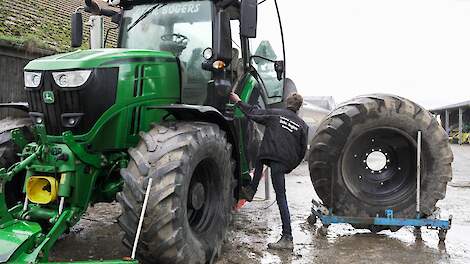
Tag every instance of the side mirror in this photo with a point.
(223, 40)
(248, 18)
(77, 30)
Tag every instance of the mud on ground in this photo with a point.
(97, 235)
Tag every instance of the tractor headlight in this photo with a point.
(71, 78)
(32, 79)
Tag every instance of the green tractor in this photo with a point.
(105, 121)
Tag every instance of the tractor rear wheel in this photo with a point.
(363, 158)
(9, 155)
(191, 198)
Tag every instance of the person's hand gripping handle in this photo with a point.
(234, 97)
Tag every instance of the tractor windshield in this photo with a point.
(184, 28)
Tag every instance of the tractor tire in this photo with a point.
(363, 158)
(192, 194)
(9, 155)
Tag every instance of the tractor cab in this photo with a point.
(216, 45)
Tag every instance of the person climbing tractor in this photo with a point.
(282, 149)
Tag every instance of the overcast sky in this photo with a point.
(419, 49)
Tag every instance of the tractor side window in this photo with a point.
(235, 27)
(267, 47)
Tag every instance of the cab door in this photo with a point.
(267, 53)
(259, 83)
(252, 92)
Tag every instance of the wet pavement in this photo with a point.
(97, 236)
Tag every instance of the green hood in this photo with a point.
(85, 59)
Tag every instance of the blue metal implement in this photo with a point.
(327, 217)
(383, 221)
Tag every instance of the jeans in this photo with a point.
(279, 183)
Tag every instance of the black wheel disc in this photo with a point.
(379, 166)
(203, 197)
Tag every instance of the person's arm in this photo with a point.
(256, 114)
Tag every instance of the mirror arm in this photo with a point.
(278, 65)
(93, 8)
(263, 58)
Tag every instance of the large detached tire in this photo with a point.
(363, 158)
(191, 198)
(9, 155)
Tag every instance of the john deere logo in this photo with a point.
(48, 97)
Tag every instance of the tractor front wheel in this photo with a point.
(190, 201)
(9, 155)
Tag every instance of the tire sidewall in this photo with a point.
(9, 155)
(364, 113)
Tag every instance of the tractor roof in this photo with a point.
(232, 6)
(226, 3)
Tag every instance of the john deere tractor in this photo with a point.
(105, 121)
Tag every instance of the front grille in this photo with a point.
(85, 104)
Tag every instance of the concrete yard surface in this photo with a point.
(97, 235)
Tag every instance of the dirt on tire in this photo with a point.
(9, 151)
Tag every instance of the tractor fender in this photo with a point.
(203, 113)
(209, 114)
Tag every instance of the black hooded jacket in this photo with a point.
(285, 135)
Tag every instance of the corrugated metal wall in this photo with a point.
(12, 61)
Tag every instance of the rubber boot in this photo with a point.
(285, 243)
(247, 193)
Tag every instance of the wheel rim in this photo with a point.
(204, 196)
(379, 166)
